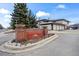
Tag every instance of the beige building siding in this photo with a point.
(48, 26)
(61, 27)
(52, 27)
(61, 22)
(58, 27)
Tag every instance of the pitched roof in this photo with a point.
(46, 20)
(61, 20)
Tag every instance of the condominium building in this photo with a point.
(59, 24)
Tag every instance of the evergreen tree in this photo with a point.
(22, 15)
(31, 20)
(19, 15)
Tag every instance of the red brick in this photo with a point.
(29, 34)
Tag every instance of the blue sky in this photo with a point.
(43, 10)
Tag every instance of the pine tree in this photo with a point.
(31, 20)
(22, 15)
(19, 15)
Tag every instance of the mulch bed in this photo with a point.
(32, 40)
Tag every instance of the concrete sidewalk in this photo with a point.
(66, 32)
(6, 33)
(2, 34)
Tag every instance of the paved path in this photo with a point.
(66, 45)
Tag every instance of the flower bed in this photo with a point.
(14, 45)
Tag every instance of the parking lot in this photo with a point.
(67, 44)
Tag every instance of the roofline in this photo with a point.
(61, 19)
(52, 23)
(52, 20)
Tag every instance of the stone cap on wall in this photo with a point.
(20, 26)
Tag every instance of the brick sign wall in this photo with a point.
(23, 34)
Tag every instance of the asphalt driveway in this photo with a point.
(67, 44)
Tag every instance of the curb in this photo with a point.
(65, 32)
(30, 47)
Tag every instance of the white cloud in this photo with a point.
(7, 20)
(73, 20)
(61, 6)
(42, 13)
(71, 23)
(4, 22)
(7, 16)
(4, 11)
